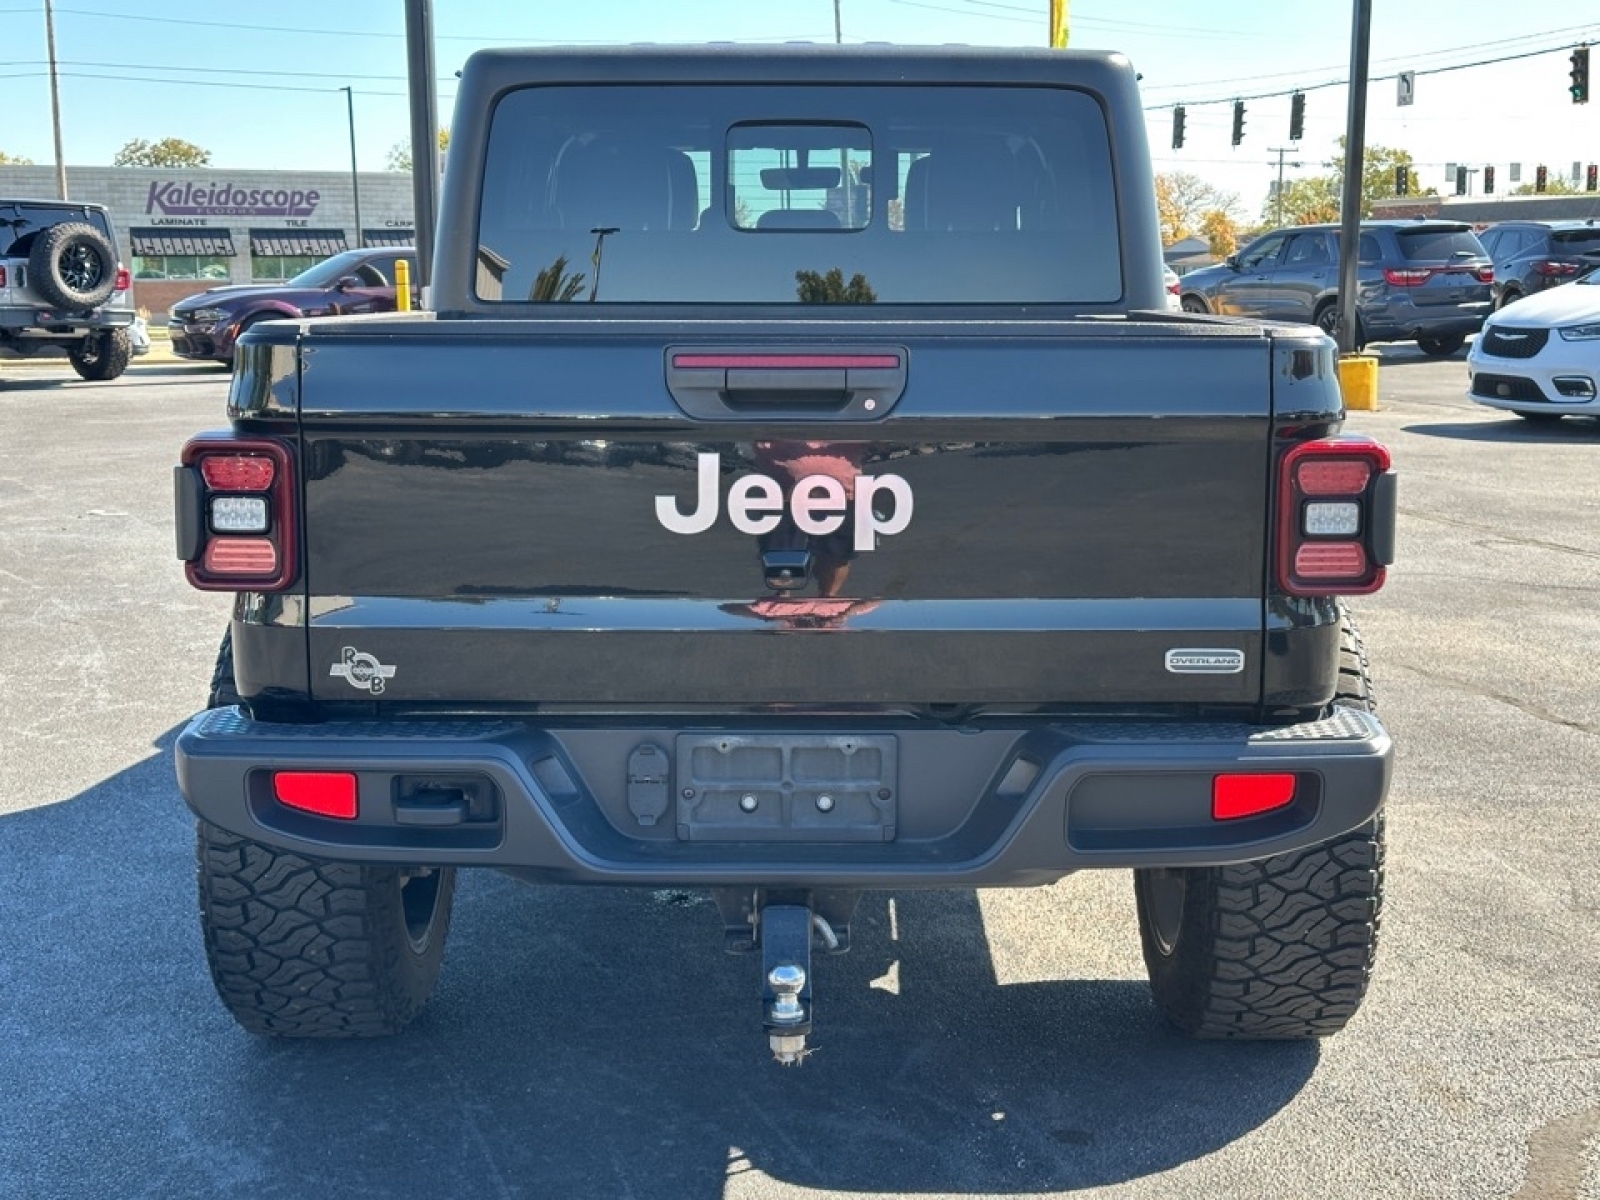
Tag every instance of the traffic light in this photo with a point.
(1297, 116)
(1540, 176)
(1591, 180)
(1580, 75)
(1402, 182)
(1488, 181)
(1177, 128)
(1238, 121)
(1461, 181)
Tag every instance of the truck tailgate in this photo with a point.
(1049, 513)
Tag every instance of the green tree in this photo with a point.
(14, 160)
(400, 152)
(1319, 198)
(1554, 185)
(1183, 202)
(832, 289)
(555, 285)
(168, 152)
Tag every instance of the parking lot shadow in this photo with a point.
(583, 1042)
(1512, 429)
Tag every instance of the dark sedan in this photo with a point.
(205, 327)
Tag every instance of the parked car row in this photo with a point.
(206, 326)
(1423, 281)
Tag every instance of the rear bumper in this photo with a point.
(43, 322)
(967, 807)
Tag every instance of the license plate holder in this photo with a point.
(786, 787)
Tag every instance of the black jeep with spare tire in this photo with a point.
(63, 288)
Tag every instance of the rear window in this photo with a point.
(1439, 244)
(798, 194)
(1576, 241)
(20, 222)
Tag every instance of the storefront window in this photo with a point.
(273, 268)
(210, 268)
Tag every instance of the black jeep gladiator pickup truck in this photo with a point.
(795, 489)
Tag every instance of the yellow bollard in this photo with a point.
(402, 285)
(1358, 382)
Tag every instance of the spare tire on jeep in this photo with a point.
(73, 265)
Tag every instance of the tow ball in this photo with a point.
(785, 931)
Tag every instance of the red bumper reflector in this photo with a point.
(1333, 477)
(325, 793)
(241, 556)
(1330, 560)
(1235, 796)
(237, 472)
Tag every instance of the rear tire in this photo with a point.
(300, 947)
(1443, 346)
(1327, 319)
(102, 356)
(1193, 304)
(1277, 949)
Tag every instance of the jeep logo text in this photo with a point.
(817, 503)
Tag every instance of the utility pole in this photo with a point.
(1354, 155)
(55, 97)
(424, 135)
(355, 180)
(1280, 151)
(838, 29)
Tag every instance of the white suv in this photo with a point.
(62, 287)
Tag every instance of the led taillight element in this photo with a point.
(237, 472)
(1485, 274)
(1336, 515)
(236, 514)
(1249, 795)
(124, 279)
(324, 793)
(1408, 276)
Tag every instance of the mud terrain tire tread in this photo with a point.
(1282, 948)
(44, 266)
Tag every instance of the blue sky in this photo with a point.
(258, 85)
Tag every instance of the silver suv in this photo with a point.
(62, 286)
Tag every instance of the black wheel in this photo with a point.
(102, 356)
(72, 265)
(1276, 949)
(1442, 346)
(1509, 296)
(1327, 320)
(1540, 418)
(301, 947)
(1193, 304)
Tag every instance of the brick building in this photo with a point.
(182, 231)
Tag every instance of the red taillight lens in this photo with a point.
(1330, 560)
(1485, 274)
(1555, 269)
(124, 279)
(325, 793)
(240, 556)
(1235, 796)
(1333, 477)
(1336, 514)
(2, 277)
(237, 527)
(237, 472)
(1408, 276)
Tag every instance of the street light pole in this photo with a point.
(55, 97)
(355, 179)
(1354, 153)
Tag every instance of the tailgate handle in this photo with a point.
(721, 383)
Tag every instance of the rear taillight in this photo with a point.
(236, 514)
(124, 279)
(1336, 516)
(1408, 276)
(1554, 270)
(2, 277)
(1485, 274)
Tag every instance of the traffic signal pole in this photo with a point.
(1354, 162)
(424, 135)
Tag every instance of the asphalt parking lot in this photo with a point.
(599, 1043)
